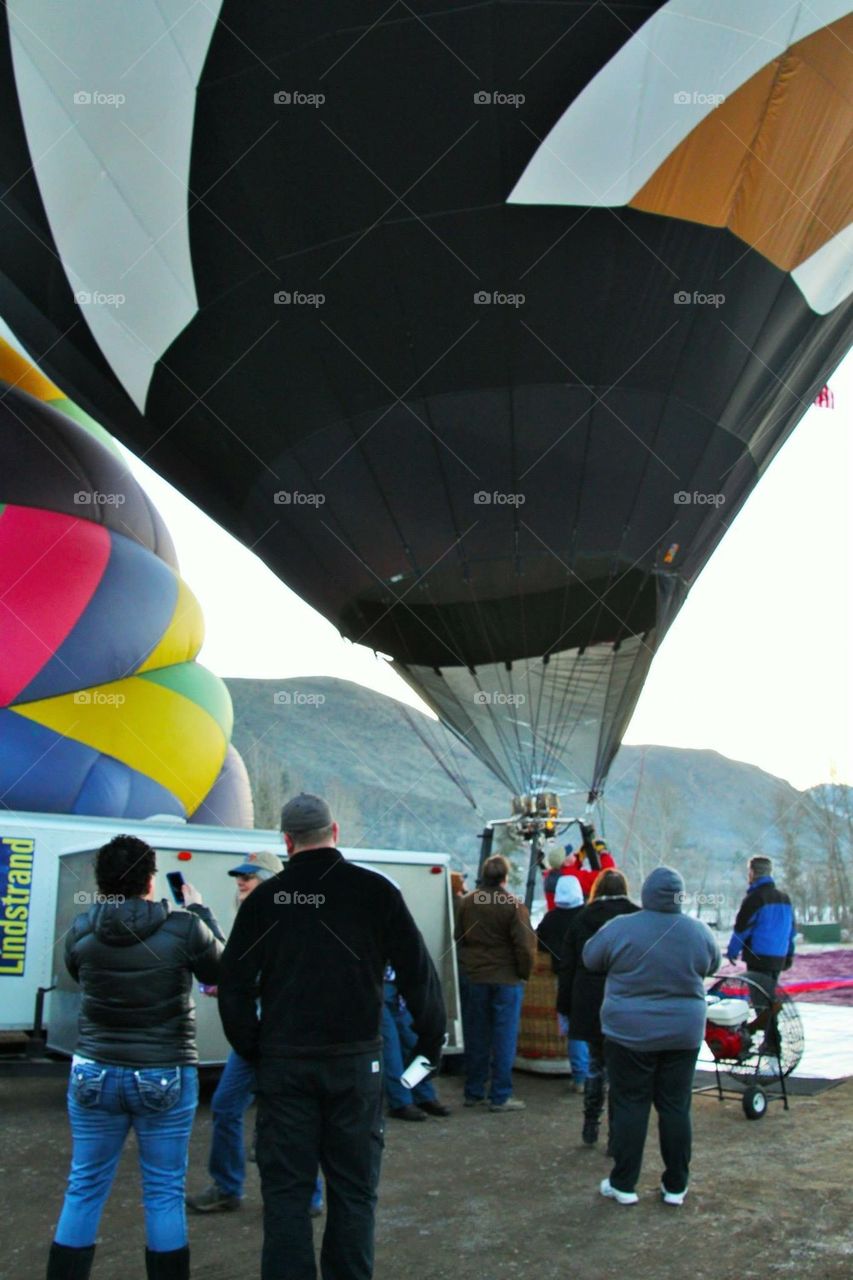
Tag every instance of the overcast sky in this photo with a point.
(756, 665)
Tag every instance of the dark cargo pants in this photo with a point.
(326, 1112)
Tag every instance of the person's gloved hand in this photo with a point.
(431, 1051)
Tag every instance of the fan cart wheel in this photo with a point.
(754, 1103)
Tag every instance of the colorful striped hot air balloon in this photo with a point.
(103, 709)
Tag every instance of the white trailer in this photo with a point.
(47, 878)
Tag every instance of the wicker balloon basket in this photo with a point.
(541, 1048)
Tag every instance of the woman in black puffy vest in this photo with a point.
(135, 1064)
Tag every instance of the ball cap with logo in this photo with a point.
(264, 865)
(305, 813)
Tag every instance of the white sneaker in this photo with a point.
(672, 1197)
(621, 1197)
(511, 1104)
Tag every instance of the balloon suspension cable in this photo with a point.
(453, 773)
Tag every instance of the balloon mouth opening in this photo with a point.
(592, 608)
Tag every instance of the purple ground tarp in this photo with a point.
(824, 977)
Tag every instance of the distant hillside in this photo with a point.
(355, 746)
(721, 804)
(696, 809)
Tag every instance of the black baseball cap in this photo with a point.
(305, 813)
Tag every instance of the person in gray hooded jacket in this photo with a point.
(653, 1020)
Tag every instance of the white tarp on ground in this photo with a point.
(828, 1034)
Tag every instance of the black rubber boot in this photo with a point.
(65, 1263)
(593, 1105)
(174, 1265)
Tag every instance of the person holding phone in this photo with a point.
(135, 1062)
(176, 882)
(236, 1087)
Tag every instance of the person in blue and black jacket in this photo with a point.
(764, 932)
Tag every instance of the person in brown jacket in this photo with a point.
(496, 949)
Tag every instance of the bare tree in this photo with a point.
(270, 784)
(788, 822)
(508, 843)
(660, 827)
(829, 821)
(345, 804)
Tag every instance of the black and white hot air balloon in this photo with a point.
(477, 322)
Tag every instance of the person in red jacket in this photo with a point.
(589, 861)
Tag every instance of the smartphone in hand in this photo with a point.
(176, 884)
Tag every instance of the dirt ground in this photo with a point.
(496, 1197)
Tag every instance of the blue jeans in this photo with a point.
(578, 1052)
(398, 1049)
(493, 1012)
(579, 1059)
(233, 1095)
(104, 1103)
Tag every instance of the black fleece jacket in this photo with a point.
(552, 930)
(313, 942)
(580, 993)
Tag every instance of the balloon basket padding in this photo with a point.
(543, 1066)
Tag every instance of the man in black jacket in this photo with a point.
(313, 943)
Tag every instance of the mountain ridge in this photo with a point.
(692, 806)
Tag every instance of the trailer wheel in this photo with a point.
(754, 1103)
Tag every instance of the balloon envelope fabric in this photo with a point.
(480, 321)
(103, 709)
